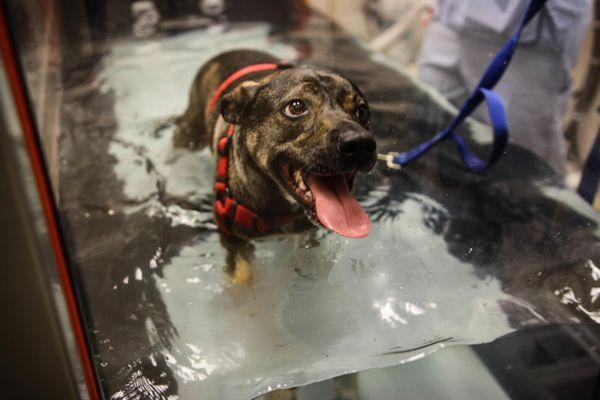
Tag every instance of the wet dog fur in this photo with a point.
(275, 131)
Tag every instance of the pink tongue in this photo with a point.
(337, 209)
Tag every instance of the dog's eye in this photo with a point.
(362, 115)
(295, 108)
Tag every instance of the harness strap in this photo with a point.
(237, 75)
(229, 213)
(483, 92)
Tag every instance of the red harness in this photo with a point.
(231, 214)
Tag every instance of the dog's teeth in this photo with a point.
(302, 185)
(298, 177)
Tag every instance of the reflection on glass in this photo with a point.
(453, 257)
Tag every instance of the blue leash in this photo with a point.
(590, 176)
(495, 106)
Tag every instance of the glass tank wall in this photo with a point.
(454, 257)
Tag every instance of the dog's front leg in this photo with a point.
(240, 254)
(282, 394)
(346, 387)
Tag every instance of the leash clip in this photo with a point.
(389, 160)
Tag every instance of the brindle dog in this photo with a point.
(302, 135)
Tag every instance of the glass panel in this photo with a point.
(453, 257)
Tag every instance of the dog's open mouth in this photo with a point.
(329, 197)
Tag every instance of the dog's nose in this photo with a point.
(357, 147)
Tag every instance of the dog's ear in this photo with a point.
(235, 102)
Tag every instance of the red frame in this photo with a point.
(18, 91)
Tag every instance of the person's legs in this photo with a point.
(535, 92)
(439, 63)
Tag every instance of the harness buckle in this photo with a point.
(389, 160)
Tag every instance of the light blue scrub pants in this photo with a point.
(535, 88)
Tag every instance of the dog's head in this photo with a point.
(309, 131)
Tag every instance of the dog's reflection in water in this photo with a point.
(288, 143)
(345, 387)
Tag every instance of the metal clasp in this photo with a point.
(389, 160)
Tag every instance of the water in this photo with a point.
(453, 257)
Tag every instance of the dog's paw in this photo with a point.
(283, 394)
(242, 271)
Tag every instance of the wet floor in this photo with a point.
(453, 257)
